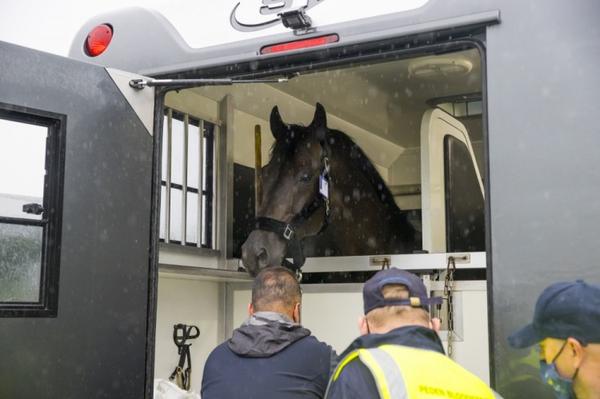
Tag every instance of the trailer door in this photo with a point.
(453, 197)
(76, 249)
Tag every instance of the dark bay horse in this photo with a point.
(320, 186)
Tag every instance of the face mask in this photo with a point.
(563, 387)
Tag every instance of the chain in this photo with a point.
(448, 295)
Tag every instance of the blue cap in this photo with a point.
(563, 310)
(373, 295)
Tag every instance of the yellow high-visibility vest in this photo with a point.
(402, 372)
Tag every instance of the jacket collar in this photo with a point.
(411, 336)
(265, 334)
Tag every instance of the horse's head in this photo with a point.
(291, 195)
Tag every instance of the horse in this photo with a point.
(319, 184)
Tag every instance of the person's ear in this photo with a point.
(575, 351)
(250, 309)
(363, 325)
(435, 324)
(297, 316)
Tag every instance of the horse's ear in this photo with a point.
(320, 118)
(319, 123)
(278, 127)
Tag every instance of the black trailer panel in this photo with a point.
(543, 183)
(96, 345)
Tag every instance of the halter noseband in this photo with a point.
(288, 230)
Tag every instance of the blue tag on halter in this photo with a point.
(324, 186)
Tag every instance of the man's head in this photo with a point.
(395, 298)
(566, 324)
(275, 289)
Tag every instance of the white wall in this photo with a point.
(479, 156)
(188, 302)
(406, 169)
(332, 316)
(472, 350)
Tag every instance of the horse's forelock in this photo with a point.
(285, 145)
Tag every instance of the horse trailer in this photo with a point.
(137, 170)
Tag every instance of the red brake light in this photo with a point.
(299, 44)
(98, 39)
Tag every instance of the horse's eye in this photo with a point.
(305, 178)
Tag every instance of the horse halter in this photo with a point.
(288, 230)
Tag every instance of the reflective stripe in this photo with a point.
(387, 375)
(351, 356)
(343, 363)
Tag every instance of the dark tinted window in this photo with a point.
(465, 225)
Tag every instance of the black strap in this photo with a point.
(181, 334)
(288, 232)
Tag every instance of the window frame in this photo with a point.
(207, 192)
(51, 222)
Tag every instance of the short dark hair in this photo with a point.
(275, 286)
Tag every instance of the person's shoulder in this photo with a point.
(311, 342)
(353, 381)
(220, 352)
(315, 341)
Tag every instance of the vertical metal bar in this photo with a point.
(168, 180)
(184, 160)
(201, 168)
(257, 168)
(218, 171)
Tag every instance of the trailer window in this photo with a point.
(30, 193)
(187, 180)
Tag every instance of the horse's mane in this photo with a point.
(358, 157)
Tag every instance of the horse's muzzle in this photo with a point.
(262, 249)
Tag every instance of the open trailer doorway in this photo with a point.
(416, 118)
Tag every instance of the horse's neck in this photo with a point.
(360, 219)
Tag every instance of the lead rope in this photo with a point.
(448, 295)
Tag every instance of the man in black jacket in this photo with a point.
(271, 355)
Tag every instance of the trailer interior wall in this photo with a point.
(192, 302)
(331, 312)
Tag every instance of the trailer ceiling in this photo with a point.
(386, 99)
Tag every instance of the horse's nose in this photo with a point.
(263, 257)
(254, 258)
(260, 250)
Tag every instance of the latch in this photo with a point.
(383, 261)
(296, 20)
(33, 209)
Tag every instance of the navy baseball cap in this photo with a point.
(373, 295)
(563, 310)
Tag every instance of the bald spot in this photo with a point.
(275, 289)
